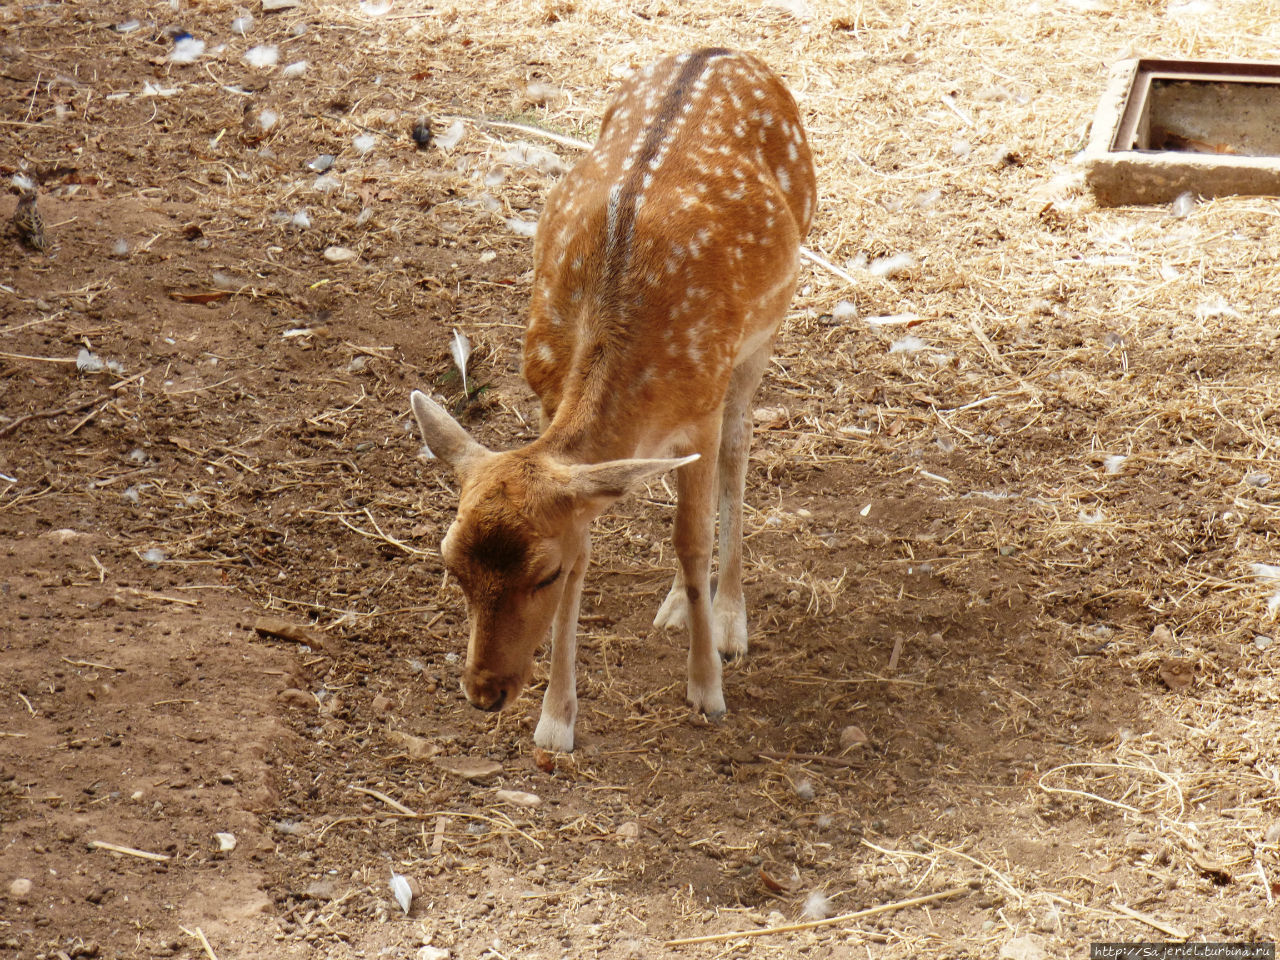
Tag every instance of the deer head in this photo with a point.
(521, 525)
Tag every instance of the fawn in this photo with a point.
(664, 263)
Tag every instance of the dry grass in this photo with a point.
(916, 515)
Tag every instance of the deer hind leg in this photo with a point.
(674, 612)
(560, 702)
(729, 609)
(694, 532)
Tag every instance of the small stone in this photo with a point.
(432, 953)
(20, 888)
(1029, 947)
(226, 841)
(382, 704)
(629, 830)
(853, 736)
(770, 418)
(1050, 920)
(518, 797)
(339, 254)
(323, 890)
(293, 697)
(1162, 635)
(417, 748)
(1177, 673)
(470, 768)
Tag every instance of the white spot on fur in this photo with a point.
(784, 179)
(546, 354)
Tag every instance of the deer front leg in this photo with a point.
(729, 609)
(560, 703)
(694, 529)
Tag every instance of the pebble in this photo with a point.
(293, 697)
(324, 890)
(852, 736)
(1023, 948)
(339, 254)
(518, 797)
(1050, 920)
(470, 768)
(382, 704)
(418, 748)
(20, 888)
(432, 953)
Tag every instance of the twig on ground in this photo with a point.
(1167, 929)
(41, 414)
(804, 758)
(811, 924)
(198, 934)
(128, 851)
(389, 801)
(91, 663)
(827, 265)
(412, 551)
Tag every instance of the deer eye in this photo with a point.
(543, 584)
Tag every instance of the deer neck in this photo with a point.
(603, 411)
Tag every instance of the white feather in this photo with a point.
(461, 350)
(817, 906)
(264, 55)
(186, 50)
(1114, 462)
(451, 137)
(1266, 572)
(401, 890)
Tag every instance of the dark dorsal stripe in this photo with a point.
(623, 200)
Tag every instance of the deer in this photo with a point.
(664, 263)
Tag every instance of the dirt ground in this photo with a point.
(1010, 562)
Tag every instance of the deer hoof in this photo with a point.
(553, 734)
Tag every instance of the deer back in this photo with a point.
(668, 252)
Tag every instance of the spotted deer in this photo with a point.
(664, 263)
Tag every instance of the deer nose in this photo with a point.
(484, 697)
(497, 704)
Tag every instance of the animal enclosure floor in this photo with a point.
(1011, 527)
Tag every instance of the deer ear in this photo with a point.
(443, 434)
(596, 485)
